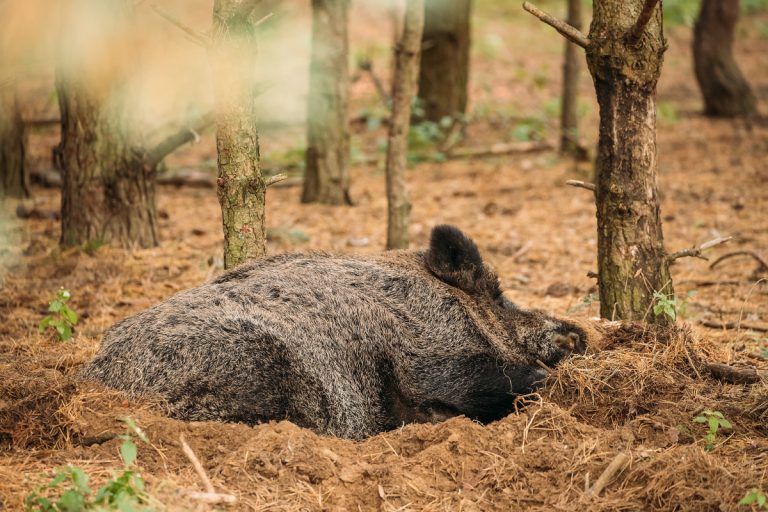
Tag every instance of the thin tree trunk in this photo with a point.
(569, 121)
(241, 187)
(632, 263)
(327, 156)
(407, 54)
(444, 72)
(108, 193)
(725, 90)
(13, 175)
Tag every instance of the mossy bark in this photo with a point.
(725, 90)
(407, 53)
(444, 71)
(569, 120)
(241, 187)
(13, 175)
(632, 263)
(327, 155)
(108, 193)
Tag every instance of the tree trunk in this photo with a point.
(13, 176)
(108, 194)
(241, 187)
(632, 263)
(444, 73)
(327, 156)
(726, 92)
(569, 121)
(407, 54)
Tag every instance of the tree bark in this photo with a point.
(241, 187)
(327, 156)
(13, 175)
(407, 54)
(725, 90)
(569, 121)
(108, 194)
(632, 263)
(444, 73)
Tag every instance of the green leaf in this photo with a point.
(55, 306)
(60, 477)
(725, 424)
(760, 499)
(64, 330)
(135, 429)
(128, 452)
(71, 501)
(80, 479)
(699, 419)
(713, 423)
(44, 323)
(749, 498)
(70, 315)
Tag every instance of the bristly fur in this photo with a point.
(345, 345)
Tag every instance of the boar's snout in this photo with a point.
(573, 342)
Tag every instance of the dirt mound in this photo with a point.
(633, 397)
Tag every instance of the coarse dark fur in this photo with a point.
(345, 345)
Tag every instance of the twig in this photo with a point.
(616, 465)
(760, 259)
(570, 33)
(277, 178)
(643, 19)
(172, 142)
(367, 66)
(196, 464)
(581, 184)
(733, 375)
(500, 149)
(543, 365)
(733, 325)
(212, 498)
(264, 19)
(196, 36)
(695, 252)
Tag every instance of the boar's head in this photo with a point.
(532, 335)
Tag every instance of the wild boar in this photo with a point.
(345, 345)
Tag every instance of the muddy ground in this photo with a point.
(635, 393)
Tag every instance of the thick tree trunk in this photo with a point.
(108, 194)
(241, 187)
(407, 53)
(326, 174)
(13, 176)
(632, 263)
(726, 92)
(444, 72)
(569, 121)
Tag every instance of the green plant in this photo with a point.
(123, 492)
(755, 498)
(63, 318)
(714, 421)
(666, 305)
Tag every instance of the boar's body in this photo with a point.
(345, 345)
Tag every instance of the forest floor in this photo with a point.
(636, 392)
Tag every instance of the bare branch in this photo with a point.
(695, 252)
(172, 142)
(263, 19)
(367, 66)
(211, 498)
(196, 464)
(616, 465)
(643, 19)
(195, 35)
(567, 31)
(760, 259)
(581, 184)
(733, 325)
(277, 178)
(500, 149)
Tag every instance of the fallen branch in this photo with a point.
(643, 19)
(211, 498)
(196, 464)
(733, 325)
(581, 184)
(570, 33)
(172, 142)
(733, 375)
(367, 66)
(695, 252)
(194, 35)
(616, 465)
(760, 259)
(500, 149)
(544, 366)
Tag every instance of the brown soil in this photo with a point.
(635, 392)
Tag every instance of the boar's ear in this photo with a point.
(454, 258)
